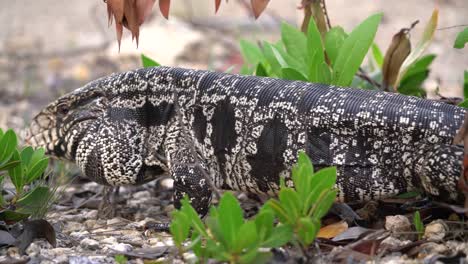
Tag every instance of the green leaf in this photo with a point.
(8, 144)
(464, 104)
(302, 173)
(421, 46)
(193, 216)
(462, 39)
(36, 170)
(251, 53)
(26, 155)
(16, 173)
(465, 85)
(9, 165)
(34, 200)
(413, 84)
(353, 51)
(264, 222)
(10, 216)
(377, 55)
(230, 217)
(281, 235)
(420, 65)
(315, 53)
(1, 133)
(324, 203)
(282, 214)
(334, 40)
(248, 237)
(295, 42)
(308, 230)
(322, 181)
(292, 74)
(418, 224)
(254, 256)
(179, 227)
(260, 71)
(148, 62)
(291, 202)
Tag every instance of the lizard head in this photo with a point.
(103, 131)
(59, 127)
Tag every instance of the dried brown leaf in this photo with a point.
(164, 7)
(332, 230)
(116, 8)
(396, 54)
(217, 4)
(144, 8)
(258, 6)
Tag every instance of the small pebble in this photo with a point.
(109, 240)
(121, 247)
(435, 230)
(398, 225)
(79, 234)
(91, 214)
(142, 194)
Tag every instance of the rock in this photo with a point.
(89, 243)
(36, 248)
(79, 235)
(115, 221)
(89, 224)
(72, 226)
(75, 218)
(167, 183)
(398, 225)
(393, 243)
(435, 230)
(91, 214)
(432, 248)
(121, 247)
(142, 194)
(109, 240)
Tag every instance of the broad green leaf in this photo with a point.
(315, 52)
(291, 202)
(1, 133)
(9, 165)
(281, 235)
(295, 42)
(302, 172)
(38, 155)
(323, 180)
(245, 70)
(16, 173)
(26, 155)
(292, 74)
(324, 74)
(37, 170)
(148, 62)
(308, 230)
(260, 71)
(193, 216)
(271, 58)
(230, 217)
(462, 39)
(10, 216)
(179, 227)
(353, 50)
(282, 214)
(251, 53)
(254, 256)
(34, 200)
(324, 203)
(247, 237)
(334, 40)
(420, 65)
(264, 223)
(7, 145)
(421, 46)
(377, 55)
(464, 104)
(196, 244)
(412, 85)
(287, 61)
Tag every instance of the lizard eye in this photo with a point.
(62, 109)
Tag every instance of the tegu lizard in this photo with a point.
(244, 133)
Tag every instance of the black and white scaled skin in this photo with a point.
(245, 133)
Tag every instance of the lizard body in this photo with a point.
(244, 132)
